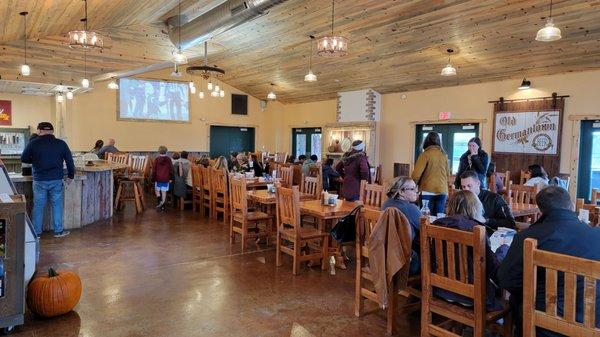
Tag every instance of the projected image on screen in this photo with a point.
(153, 100)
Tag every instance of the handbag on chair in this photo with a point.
(345, 230)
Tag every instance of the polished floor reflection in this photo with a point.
(175, 274)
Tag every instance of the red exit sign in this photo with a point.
(444, 115)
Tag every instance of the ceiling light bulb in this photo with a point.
(214, 94)
(191, 84)
(549, 32)
(193, 90)
(60, 98)
(271, 96)
(210, 86)
(85, 83)
(25, 70)
(448, 70)
(222, 93)
(69, 95)
(112, 85)
(310, 77)
(179, 57)
(201, 94)
(217, 89)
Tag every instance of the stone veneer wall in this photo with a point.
(338, 113)
(370, 107)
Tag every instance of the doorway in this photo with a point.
(589, 159)
(454, 137)
(306, 141)
(227, 139)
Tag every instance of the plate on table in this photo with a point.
(346, 144)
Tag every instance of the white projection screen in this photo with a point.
(153, 100)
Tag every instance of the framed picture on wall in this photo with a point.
(527, 132)
(5, 112)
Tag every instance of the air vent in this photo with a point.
(242, 7)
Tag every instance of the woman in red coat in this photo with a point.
(353, 168)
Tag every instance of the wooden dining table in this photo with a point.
(267, 198)
(523, 210)
(255, 183)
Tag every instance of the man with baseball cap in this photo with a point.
(47, 154)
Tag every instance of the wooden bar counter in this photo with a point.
(89, 197)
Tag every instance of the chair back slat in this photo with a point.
(218, 181)
(311, 185)
(118, 158)
(288, 210)
(205, 175)
(196, 177)
(138, 164)
(578, 273)
(287, 176)
(239, 195)
(281, 157)
(371, 194)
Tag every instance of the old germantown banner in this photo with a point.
(5, 113)
(534, 132)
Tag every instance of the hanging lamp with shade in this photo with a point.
(310, 77)
(271, 96)
(85, 82)
(332, 46)
(85, 39)
(112, 85)
(448, 70)
(69, 94)
(178, 55)
(25, 69)
(549, 32)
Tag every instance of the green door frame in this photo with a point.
(447, 131)
(308, 131)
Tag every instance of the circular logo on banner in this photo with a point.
(542, 142)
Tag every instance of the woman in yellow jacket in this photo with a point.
(431, 173)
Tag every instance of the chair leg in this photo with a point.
(136, 196)
(392, 308)
(118, 197)
(231, 233)
(296, 262)
(278, 249)
(325, 252)
(507, 330)
(143, 197)
(244, 235)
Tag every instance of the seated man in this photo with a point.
(109, 148)
(558, 230)
(495, 210)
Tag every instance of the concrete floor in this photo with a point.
(175, 274)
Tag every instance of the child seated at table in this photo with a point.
(464, 212)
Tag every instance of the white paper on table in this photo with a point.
(584, 215)
(502, 236)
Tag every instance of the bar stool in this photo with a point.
(131, 182)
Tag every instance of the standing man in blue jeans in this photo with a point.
(47, 155)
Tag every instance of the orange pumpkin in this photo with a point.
(54, 294)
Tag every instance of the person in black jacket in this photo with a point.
(254, 166)
(558, 230)
(475, 159)
(496, 211)
(329, 174)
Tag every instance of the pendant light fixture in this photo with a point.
(85, 39)
(310, 77)
(112, 85)
(70, 94)
(178, 55)
(25, 70)
(449, 70)
(332, 46)
(549, 33)
(85, 82)
(271, 95)
(525, 84)
(176, 72)
(60, 98)
(208, 73)
(201, 94)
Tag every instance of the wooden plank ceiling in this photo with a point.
(393, 45)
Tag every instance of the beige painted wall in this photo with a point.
(29, 110)
(92, 116)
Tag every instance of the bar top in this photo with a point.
(101, 165)
(19, 178)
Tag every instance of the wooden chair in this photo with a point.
(573, 271)
(452, 247)
(565, 176)
(287, 176)
(505, 178)
(371, 194)
(196, 186)
(311, 185)
(206, 191)
(522, 194)
(219, 194)
(366, 220)
(281, 157)
(135, 174)
(118, 158)
(595, 195)
(491, 182)
(315, 170)
(592, 208)
(241, 218)
(289, 229)
(525, 175)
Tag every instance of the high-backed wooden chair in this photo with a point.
(595, 195)
(592, 208)
(505, 176)
(196, 186)
(371, 194)
(315, 170)
(521, 194)
(206, 191)
(287, 176)
(573, 271)
(312, 186)
(117, 157)
(289, 230)
(448, 256)
(365, 221)
(281, 157)
(219, 194)
(525, 175)
(131, 181)
(243, 221)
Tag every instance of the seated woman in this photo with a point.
(221, 164)
(539, 177)
(464, 212)
(497, 179)
(254, 166)
(241, 163)
(402, 194)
